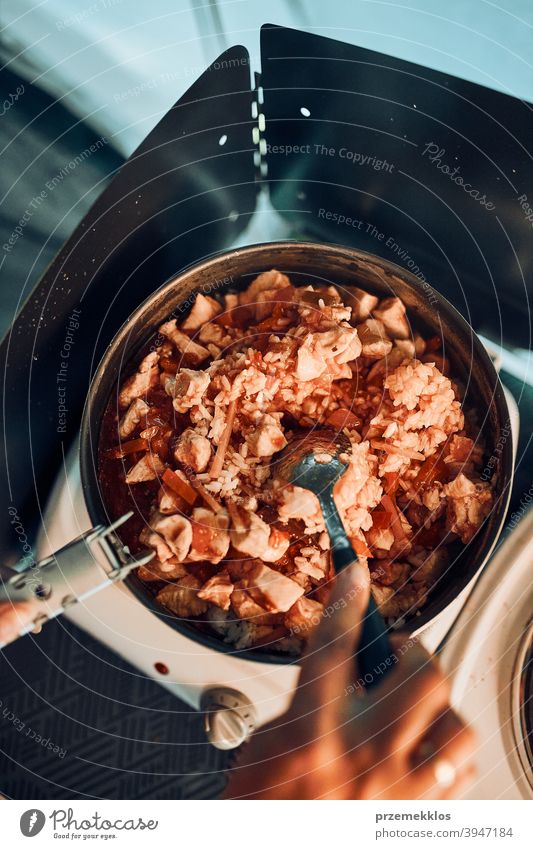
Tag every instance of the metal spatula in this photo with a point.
(315, 460)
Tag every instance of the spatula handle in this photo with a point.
(375, 653)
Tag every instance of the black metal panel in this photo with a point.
(385, 143)
(181, 196)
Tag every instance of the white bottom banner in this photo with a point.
(183, 823)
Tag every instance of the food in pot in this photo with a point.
(192, 446)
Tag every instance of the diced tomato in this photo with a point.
(381, 519)
(342, 418)
(390, 482)
(360, 547)
(181, 488)
(433, 469)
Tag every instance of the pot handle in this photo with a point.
(88, 564)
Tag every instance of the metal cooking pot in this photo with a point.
(70, 575)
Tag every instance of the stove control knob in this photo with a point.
(229, 717)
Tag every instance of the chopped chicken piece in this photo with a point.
(252, 536)
(169, 501)
(187, 388)
(196, 353)
(386, 365)
(266, 301)
(381, 538)
(391, 312)
(231, 300)
(407, 347)
(203, 310)
(432, 497)
(215, 334)
(246, 608)
(420, 345)
(384, 598)
(150, 538)
(182, 598)
(460, 450)
(177, 533)
(429, 565)
(468, 505)
(359, 487)
(340, 345)
(139, 383)
(249, 382)
(390, 572)
(148, 468)
(312, 562)
(210, 537)
(268, 281)
(193, 450)
(218, 590)
(266, 438)
(137, 409)
(361, 302)
(272, 590)
(156, 570)
(303, 616)
(298, 503)
(373, 339)
(278, 543)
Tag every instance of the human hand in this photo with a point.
(401, 740)
(13, 618)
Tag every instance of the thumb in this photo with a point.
(330, 653)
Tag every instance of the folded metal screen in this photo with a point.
(427, 170)
(187, 191)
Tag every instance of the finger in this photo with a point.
(14, 617)
(329, 661)
(448, 739)
(414, 693)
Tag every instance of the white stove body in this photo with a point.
(484, 654)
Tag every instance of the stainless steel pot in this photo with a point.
(304, 263)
